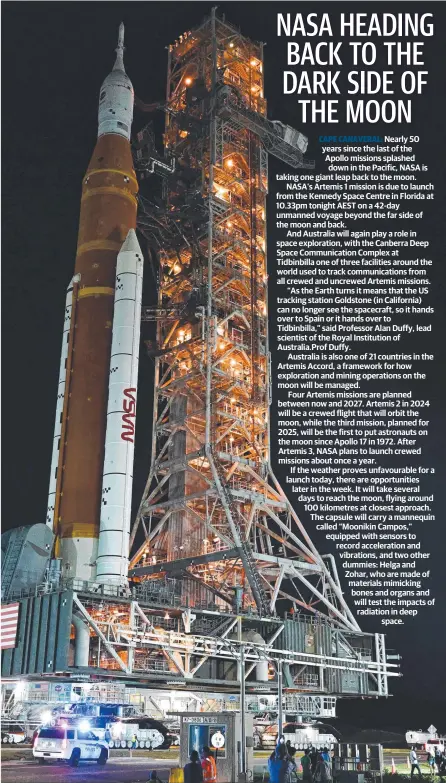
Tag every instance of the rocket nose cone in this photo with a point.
(131, 243)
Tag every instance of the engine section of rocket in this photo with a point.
(108, 213)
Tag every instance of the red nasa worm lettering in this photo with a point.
(129, 406)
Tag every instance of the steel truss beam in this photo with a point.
(130, 627)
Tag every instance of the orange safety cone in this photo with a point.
(393, 768)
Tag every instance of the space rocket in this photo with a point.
(89, 500)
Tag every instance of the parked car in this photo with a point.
(69, 744)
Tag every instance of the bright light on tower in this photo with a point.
(46, 716)
(19, 689)
(84, 725)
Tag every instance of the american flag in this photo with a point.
(9, 621)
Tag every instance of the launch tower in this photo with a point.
(225, 588)
(213, 510)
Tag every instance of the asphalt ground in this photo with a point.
(115, 771)
(19, 767)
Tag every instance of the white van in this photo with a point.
(69, 744)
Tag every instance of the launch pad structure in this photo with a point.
(225, 585)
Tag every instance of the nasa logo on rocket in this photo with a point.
(128, 423)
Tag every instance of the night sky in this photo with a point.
(55, 57)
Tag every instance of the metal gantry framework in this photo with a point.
(133, 638)
(227, 589)
(148, 636)
(213, 509)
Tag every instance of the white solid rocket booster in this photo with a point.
(114, 535)
(60, 402)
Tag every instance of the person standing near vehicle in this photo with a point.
(431, 762)
(278, 765)
(208, 765)
(292, 766)
(414, 763)
(314, 757)
(193, 772)
(305, 763)
(323, 770)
